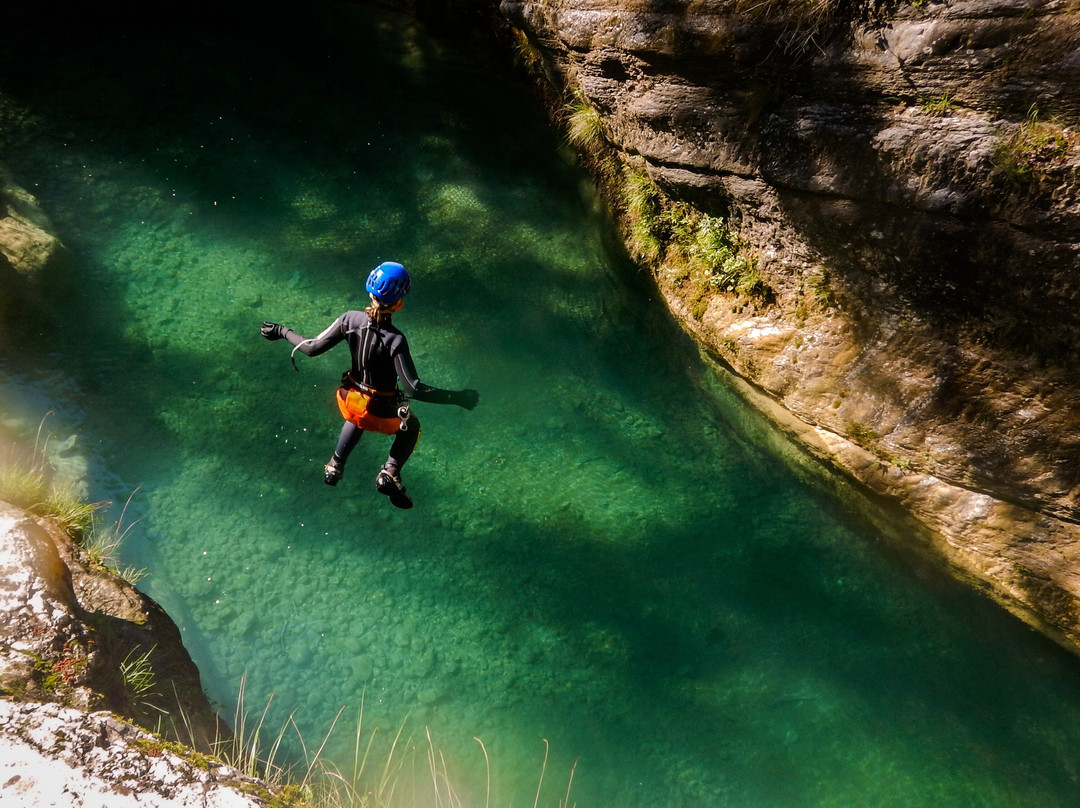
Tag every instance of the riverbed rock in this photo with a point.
(907, 180)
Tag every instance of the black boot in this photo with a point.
(389, 483)
(333, 470)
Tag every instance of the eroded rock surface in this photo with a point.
(59, 756)
(70, 628)
(908, 180)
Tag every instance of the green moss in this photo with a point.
(156, 747)
(289, 797)
(698, 251)
(862, 435)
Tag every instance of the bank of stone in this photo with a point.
(907, 181)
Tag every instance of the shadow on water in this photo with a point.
(600, 555)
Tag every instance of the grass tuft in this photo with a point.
(395, 773)
(1036, 147)
(26, 481)
(585, 127)
(802, 23)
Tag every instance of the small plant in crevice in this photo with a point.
(585, 132)
(801, 23)
(585, 127)
(26, 481)
(138, 680)
(137, 673)
(816, 292)
(640, 200)
(938, 106)
(1033, 149)
(58, 678)
(101, 544)
(698, 252)
(526, 55)
(863, 435)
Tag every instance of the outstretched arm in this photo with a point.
(424, 392)
(310, 347)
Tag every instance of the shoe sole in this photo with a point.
(398, 498)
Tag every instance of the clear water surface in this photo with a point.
(607, 553)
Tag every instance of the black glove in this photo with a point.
(466, 398)
(273, 331)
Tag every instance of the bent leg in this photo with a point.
(347, 440)
(404, 443)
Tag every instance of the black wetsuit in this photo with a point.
(380, 357)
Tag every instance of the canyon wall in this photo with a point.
(904, 179)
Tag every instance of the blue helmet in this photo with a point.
(388, 283)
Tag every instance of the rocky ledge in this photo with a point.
(55, 755)
(84, 660)
(905, 180)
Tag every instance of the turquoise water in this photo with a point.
(610, 553)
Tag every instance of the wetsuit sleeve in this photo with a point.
(416, 389)
(330, 337)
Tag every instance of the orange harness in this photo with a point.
(353, 404)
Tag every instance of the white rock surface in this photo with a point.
(58, 757)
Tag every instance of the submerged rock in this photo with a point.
(28, 241)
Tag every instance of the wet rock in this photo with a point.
(27, 239)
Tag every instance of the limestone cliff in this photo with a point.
(55, 755)
(904, 179)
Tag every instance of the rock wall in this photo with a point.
(907, 180)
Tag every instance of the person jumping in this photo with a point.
(369, 397)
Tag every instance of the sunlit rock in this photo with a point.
(908, 186)
(27, 240)
(72, 632)
(54, 755)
